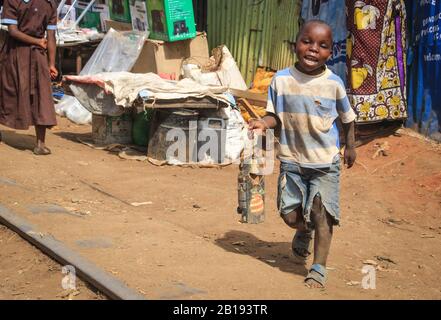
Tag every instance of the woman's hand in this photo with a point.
(42, 43)
(53, 72)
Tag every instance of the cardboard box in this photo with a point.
(119, 26)
(171, 20)
(120, 10)
(167, 57)
(138, 11)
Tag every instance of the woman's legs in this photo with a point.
(41, 149)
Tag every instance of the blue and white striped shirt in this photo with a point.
(307, 107)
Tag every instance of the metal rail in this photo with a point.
(87, 271)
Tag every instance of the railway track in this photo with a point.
(74, 264)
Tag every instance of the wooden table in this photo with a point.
(78, 48)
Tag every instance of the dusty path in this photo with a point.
(188, 244)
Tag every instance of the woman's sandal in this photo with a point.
(301, 245)
(39, 151)
(317, 273)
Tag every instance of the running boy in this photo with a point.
(27, 64)
(304, 101)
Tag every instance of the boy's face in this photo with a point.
(313, 48)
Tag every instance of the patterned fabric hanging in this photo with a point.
(376, 59)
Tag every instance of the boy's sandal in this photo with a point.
(42, 151)
(317, 273)
(301, 245)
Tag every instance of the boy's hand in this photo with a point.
(257, 125)
(42, 43)
(53, 72)
(349, 157)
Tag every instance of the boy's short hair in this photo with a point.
(313, 21)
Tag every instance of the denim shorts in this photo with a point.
(299, 186)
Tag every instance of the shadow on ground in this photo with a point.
(74, 137)
(275, 254)
(17, 140)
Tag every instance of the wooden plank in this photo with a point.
(87, 271)
(256, 99)
(249, 108)
(190, 103)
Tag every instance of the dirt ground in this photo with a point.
(188, 243)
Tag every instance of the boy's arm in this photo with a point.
(270, 121)
(23, 37)
(350, 153)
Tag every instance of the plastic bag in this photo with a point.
(227, 75)
(234, 143)
(71, 108)
(118, 51)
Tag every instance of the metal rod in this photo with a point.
(60, 6)
(68, 11)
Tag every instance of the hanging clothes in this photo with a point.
(425, 68)
(376, 59)
(332, 12)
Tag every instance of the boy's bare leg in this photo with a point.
(295, 220)
(323, 226)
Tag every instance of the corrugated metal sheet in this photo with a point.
(200, 14)
(257, 32)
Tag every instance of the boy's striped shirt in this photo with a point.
(307, 107)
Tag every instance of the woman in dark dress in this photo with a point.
(27, 64)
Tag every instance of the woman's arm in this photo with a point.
(51, 50)
(17, 34)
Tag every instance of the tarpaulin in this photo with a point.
(424, 106)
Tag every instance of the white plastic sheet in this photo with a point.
(71, 108)
(118, 51)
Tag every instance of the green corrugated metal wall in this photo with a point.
(257, 32)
